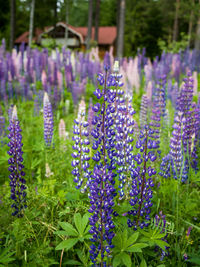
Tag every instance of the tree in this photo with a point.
(197, 39)
(175, 30)
(120, 31)
(117, 17)
(66, 20)
(108, 13)
(46, 13)
(190, 23)
(97, 20)
(89, 32)
(4, 20)
(12, 22)
(144, 27)
(31, 22)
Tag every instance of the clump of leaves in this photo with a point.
(125, 245)
(72, 235)
(6, 256)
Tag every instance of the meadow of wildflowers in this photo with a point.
(99, 159)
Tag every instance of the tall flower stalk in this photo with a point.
(100, 181)
(17, 181)
(113, 157)
(48, 120)
(141, 192)
(81, 149)
(124, 124)
(186, 119)
(102, 189)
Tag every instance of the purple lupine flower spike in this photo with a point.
(195, 138)
(141, 192)
(48, 120)
(124, 125)
(181, 141)
(80, 155)
(102, 182)
(17, 181)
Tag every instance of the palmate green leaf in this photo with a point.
(67, 244)
(87, 229)
(84, 237)
(162, 244)
(60, 233)
(157, 235)
(81, 223)
(117, 260)
(143, 263)
(117, 242)
(152, 235)
(147, 234)
(132, 239)
(5, 256)
(78, 222)
(85, 220)
(137, 247)
(6, 259)
(124, 238)
(69, 229)
(82, 256)
(126, 259)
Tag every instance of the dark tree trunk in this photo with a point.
(31, 22)
(190, 23)
(197, 39)
(175, 30)
(55, 17)
(120, 37)
(97, 20)
(66, 21)
(118, 12)
(89, 32)
(12, 22)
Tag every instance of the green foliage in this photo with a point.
(146, 22)
(125, 245)
(143, 263)
(83, 259)
(174, 47)
(56, 219)
(6, 257)
(143, 27)
(153, 238)
(78, 234)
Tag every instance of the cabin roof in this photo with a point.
(106, 35)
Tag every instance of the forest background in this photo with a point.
(154, 24)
